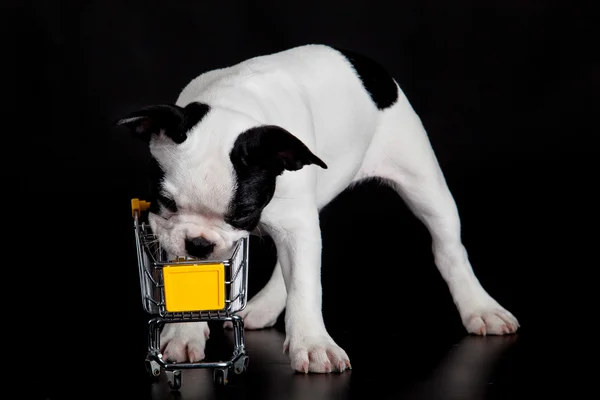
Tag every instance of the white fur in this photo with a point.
(312, 92)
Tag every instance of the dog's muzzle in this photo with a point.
(199, 247)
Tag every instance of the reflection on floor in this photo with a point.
(465, 372)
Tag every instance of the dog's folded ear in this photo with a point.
(172, 120)
(272, 148)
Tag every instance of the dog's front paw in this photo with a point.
(491, 321)
(184, 342)
(316, 354)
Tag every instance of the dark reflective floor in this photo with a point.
(467, 369)
(383, 301)
(397, 366)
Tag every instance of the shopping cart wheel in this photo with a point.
(174, 379)
(241, 365)
(153, 368)
(220, 376)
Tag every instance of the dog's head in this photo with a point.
(213, 172)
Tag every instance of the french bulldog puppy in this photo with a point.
(262, 146)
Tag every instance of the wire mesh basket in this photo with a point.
(220, 285)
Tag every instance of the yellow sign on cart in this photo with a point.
(194, 287)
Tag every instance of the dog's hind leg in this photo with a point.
(401, 154)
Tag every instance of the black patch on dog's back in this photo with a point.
(375, 79)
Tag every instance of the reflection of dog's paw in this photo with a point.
(491, 321)
(184, 342)
(316, 354)
(259, 314)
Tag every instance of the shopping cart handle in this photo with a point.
(139, 206)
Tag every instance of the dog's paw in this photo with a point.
(318, 354)
(260, 313)
(184, 342)
(491, 321)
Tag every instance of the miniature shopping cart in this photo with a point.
(190, 290)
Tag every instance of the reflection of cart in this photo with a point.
(189, 290)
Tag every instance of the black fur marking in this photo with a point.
(173, 120)
(157, 198)
(258, 156)
(376, 80)
(255, 189)
(155, 178)
(168, 203)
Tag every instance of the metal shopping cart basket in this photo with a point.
(188, 290)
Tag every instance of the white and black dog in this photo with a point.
(263, 146)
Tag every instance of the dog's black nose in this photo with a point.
(199, 247)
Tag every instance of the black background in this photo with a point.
(506, 89)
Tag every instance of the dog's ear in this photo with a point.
(273, 148)
(172, 120)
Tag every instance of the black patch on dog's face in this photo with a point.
(156, 175)
(376, 80)
(173, 120)
(255, 189)
(258, 156)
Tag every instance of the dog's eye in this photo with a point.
(169, 204)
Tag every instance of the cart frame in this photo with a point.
(152, 260)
